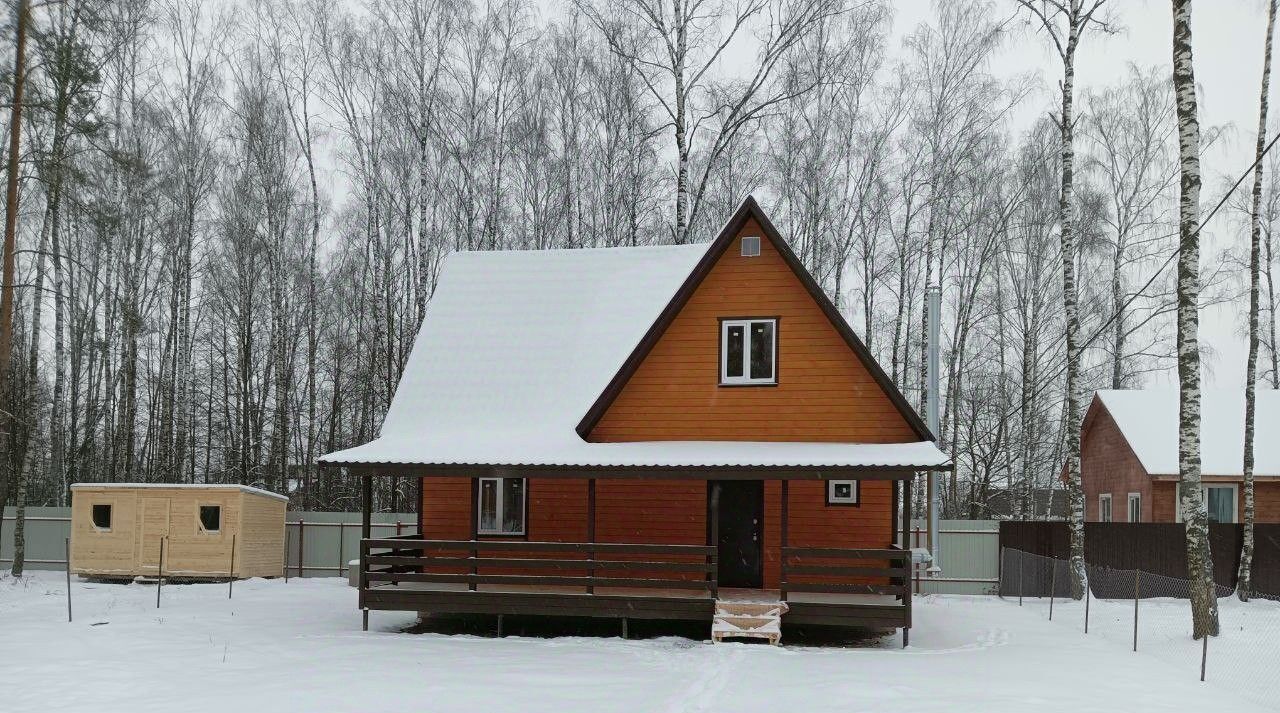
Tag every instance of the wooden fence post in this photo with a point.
(1019, 576)
(231, 568)
(1086, 604)
(160, 572)
(302, 539)
(68, 551)
(1053, 585)
(1204, 655)
(1136, 584)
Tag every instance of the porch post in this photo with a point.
(782, 551)
(591, 532)
(906, 583)
(366, 506)
(366, 517)
(713, 533)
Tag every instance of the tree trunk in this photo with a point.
(1075, 494)
(1251, 368)
(1204, 604)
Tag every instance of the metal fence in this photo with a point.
(320, 544)
(1150, 614)
(969, 551)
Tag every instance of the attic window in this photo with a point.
(751, 246)
(102, 517)
(748, 352)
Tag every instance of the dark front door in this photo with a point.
(741, 523)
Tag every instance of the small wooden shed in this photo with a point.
(117, 530)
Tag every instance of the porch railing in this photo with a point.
(833, 570)
(574, 565)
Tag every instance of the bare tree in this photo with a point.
(1244, 580)
(1065, 22)
(1204, 603)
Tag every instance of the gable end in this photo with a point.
(748, 210)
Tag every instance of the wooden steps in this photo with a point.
(748, 620)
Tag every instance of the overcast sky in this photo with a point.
(1227, 38)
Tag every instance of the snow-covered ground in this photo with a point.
(298, 647)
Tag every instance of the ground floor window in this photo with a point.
(102, 516)
(1104, 507)
(502, 506)
(210, 518)
(1135, 507)
(1221, 502)
(842, 492)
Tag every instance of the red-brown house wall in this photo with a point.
(1108, 465)
(824, 393)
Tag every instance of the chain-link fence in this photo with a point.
(1151, 614)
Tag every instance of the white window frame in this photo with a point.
(501, 506)
(1110, 513)
(746, 323)
(744, 251)
(1129, 503)
(831, 493)
(1204, 495)
(200, 528)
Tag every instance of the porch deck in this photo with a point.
(822, 586)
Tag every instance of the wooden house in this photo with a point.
(117, 530)
(1129, 455)
(669, 432)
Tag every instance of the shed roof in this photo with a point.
(1148, 418)
(517, 346)
(183, 486)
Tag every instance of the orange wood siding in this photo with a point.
(824, 393)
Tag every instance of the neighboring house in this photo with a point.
(1129, 455)
(675, 432)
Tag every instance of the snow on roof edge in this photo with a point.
(186, 486)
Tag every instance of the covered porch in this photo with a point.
(855, 587)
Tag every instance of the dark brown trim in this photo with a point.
(749, 209)
(777, 338)
(747, 472)
(857, 499)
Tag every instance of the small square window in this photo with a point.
(102, 516)
(842, 492)
(751, 246)
(748, 351)
(210, 518)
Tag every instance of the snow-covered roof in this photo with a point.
(181, 486)
(1148, 418)
(515, 348)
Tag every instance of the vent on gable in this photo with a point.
(751, 246)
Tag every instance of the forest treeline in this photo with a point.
(233, 214)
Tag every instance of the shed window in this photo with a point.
(102, 516)
(751, 246)
(501, 506)
(842, 492)
(1104, 507)
(748, 351)
(210, 518)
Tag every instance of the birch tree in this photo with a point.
(1244, 580)
(1065, 22)
(1204, 603)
